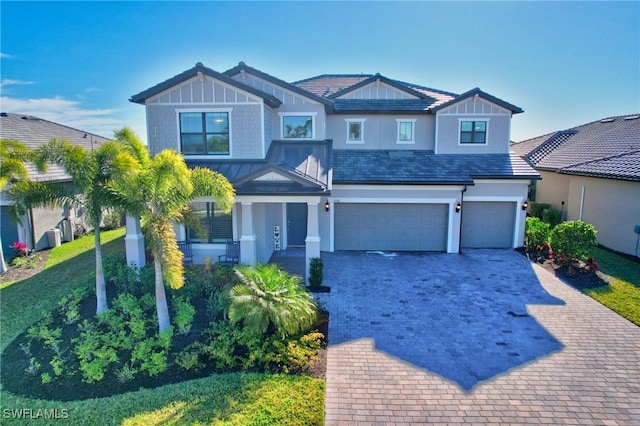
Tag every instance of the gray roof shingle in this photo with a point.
(425, 167)
(34, 132)
(604, 148)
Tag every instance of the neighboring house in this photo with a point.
(343, 162)
(33, 132)
(592, 172)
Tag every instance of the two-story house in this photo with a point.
(343, 162)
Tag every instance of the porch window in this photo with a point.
(204, 133)
(298, 126)
(473, 132)
(217, 224)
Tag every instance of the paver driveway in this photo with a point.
(481, 337)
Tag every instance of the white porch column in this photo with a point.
(248, 254)
(312, 242)
(134, 243)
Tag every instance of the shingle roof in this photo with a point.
(604, 148)
(326, 85)
(34, 132)
(307, 164)
(425, 167)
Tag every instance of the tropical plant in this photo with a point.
(269, 296)
(316, 273)
(13, 156)
(92, 173)
(159, 193)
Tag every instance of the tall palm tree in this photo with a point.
(159, 193)
(13, 156)
(269, 296)
(92, 173)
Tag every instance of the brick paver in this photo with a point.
(397, 357)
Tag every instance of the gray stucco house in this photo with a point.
(592, 172)
(33, 132)
(343, 162)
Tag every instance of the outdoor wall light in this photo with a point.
(326, 206)
(458, 207)
(525, 204)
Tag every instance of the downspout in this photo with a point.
(33, 231)
(461, 208)
(581, 202)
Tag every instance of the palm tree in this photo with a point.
(13, 156)
(92, 173)
(270, 296)
(159, 194)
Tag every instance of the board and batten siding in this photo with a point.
(448, 127)
(377, 90)
(381, 131)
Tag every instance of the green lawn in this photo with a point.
(622, 295)
(233, 399)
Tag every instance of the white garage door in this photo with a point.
(488, 224)
(398, 227)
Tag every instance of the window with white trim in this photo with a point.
(216, 223)
(204, 133)
(473, 132)
(355, 130)
(406, 130)
(298, 125)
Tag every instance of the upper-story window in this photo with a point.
(298, 125)
(204, 133)
(473, 132)
(355, 130)
(406, 130)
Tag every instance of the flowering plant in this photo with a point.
(20, 248)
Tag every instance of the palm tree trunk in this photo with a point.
(101, 288)
(161, 297)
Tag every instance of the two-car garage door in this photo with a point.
(422, 227)
(401, 227)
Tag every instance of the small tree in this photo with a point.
(316, 273)
(572, 241)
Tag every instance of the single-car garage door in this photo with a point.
(488, 224)
(399, 227)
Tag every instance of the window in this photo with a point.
(355, 130)
(473, 132)
(205, 133)
(297, 126)
(406, 131)
(216, 223)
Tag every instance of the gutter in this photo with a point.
(460, 230)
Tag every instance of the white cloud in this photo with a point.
(5, 56)
(10, 82)
(67, 112)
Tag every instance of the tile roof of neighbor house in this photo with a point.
(607, 148)
(425, 167)
(34, 132)
(307, 166)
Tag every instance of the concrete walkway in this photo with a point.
(482, 337)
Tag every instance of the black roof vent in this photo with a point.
(3, 114)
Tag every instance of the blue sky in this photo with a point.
(564, 63)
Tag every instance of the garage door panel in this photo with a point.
(397, 227)
(488, 224)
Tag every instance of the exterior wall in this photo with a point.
(245, 128)
(448, 128)
(553, 189)
(378, 90)
(381, 132)
(612, 206)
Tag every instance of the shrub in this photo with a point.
(536, 233)
(552, 216)
(537, 209)
(20, 248)
(112, 220)
(269, 296)
(573, 240)
(189, 357)
(184, 315)
(316, 273)
(301, 352)
(126, 373)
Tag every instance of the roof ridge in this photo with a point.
(332, 75)
(551, 144)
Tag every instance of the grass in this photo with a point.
(622, 295)
(229, 399)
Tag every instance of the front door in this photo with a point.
(296, 224)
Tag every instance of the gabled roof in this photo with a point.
(425, 167)
(141, 97)
(34, 132)
(326, 85)
(305, 166)
(382, 106)
(608, 148)
(373, 79)
(478, 92)
(246, 68)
